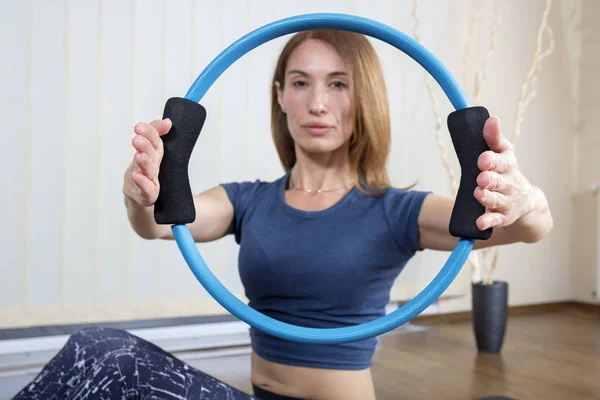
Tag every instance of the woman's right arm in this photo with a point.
(214, 212)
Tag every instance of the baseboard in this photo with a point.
(209, 337)
(593, 308)
(529, 309)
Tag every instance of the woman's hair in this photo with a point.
(371, 138)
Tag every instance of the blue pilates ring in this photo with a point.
(463, 224)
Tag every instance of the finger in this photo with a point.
(493, 136)
(149, 132)
(492, 180)
(490, 220)
(162, 126)
(491, 200)
(143, 145)
(145, 185)
(146, 165)
(491, 161)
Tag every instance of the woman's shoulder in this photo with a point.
(248, 190)
(393, 194)
(398, 195)
(253, 184)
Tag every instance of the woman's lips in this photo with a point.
(317, 129)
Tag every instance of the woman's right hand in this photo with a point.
(141, 178)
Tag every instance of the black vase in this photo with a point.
(490, 313)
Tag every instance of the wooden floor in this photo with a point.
(545, 356)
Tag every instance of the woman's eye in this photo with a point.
(338, 84)
(299, 84)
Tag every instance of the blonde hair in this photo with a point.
(371, 138)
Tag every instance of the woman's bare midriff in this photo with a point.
(312, 383)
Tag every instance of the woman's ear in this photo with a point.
(279, 95)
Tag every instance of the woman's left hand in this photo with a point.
(505, 192)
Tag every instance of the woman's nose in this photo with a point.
(318, 103)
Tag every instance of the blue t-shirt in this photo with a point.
(321, 269)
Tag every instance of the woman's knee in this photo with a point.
(107, 339)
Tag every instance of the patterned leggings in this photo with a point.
(100, 363)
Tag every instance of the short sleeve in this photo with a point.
(402, 209)
(242, 196)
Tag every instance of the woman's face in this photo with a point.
(316, 98)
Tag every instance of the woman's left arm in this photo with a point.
(516, 209)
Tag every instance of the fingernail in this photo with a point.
(484, 223)
(497, 119)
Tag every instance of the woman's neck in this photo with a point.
(322, 173)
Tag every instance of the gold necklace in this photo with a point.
(319, 190)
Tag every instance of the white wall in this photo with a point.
(77, 75)
(586, 239)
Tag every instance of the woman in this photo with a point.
(319, 247)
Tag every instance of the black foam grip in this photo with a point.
(175, 203)
(466, 130)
